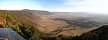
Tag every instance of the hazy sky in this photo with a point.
(57, 5)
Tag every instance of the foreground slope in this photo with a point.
(23, 22)
(97, 34)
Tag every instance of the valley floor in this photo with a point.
(58, 27)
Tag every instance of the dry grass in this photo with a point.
(48, 26)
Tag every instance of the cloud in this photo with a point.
(89, 5)
(73, 2)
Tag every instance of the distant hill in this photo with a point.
(41, 12)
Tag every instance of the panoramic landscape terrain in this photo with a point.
(44, 25)
(53, 19)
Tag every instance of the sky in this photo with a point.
(100, 6)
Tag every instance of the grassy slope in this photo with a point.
(21, 22)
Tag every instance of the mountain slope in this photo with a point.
(97, 34)
(23, 22)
